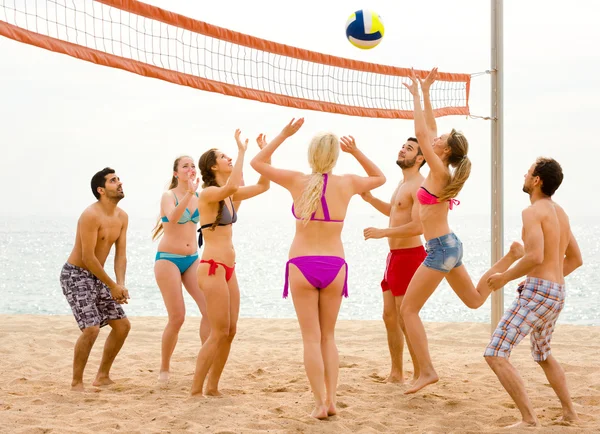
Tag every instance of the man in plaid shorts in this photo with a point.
(94, 297)
(551, 252)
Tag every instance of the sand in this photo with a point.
(265, 386)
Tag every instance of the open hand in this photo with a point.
(348, 144)
(413, 87)
(241, 146)
(193, 184)
(293, 127)
(261, 140)
(429, 80)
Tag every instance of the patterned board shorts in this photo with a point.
(89, 298)
(535, 311)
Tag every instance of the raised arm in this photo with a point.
(573, 259)
(383, 207)
(216, 194)
(428, 109)
(120, 253)
(424, 135)
(375, 177)
(88, 230)
(533, 241)
(262, 161)
(263, 184)
(174, 212)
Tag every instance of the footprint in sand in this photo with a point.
(348, 365)
(377, 378)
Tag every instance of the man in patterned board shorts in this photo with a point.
(94, 297)
(551, 252)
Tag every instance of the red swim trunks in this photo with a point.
(400, 267)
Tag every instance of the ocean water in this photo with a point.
(32, 256)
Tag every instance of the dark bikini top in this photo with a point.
(323, 205)
(227, 218)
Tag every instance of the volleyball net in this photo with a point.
(154, 42)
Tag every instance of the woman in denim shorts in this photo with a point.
(444, 249)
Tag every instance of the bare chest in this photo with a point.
(109, 231)
(402, 200)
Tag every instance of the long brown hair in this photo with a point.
(460, 162)
(158, 228)
(205, 164)
(323, 153)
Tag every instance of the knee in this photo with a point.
(176, 320)
(220, 334)
(91, 333)
(390, 318)
(406, 311)
(493, 361)
(231, 334)
(123, 327)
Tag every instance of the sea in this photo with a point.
(32, 253)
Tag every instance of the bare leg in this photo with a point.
(513, 384)
(190, 281)
(422, 285)
(306, 304)
(112, 346)
(415, 362)
(83, 346)
(216, 293)
(461, 282)
(212, 383)
(168, 279)
(394, 336)
(557, 379)
(330, 300)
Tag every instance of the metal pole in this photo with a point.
(497, 222)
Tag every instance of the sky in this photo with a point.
(63, 119)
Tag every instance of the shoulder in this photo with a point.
(123, 216)
(90, 215)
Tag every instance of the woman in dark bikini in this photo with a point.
(316, 258)
(220, 197)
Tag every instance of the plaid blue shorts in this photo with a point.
(534, 311)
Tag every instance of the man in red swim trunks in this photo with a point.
(406, 250)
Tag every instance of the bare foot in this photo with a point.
(320, 412)
(163, 377)
(331, 410)
(524, 424)
(517, 250)
(395, 378)
(570, 419)
(102, 381)
(77, 387)
(422, 381)
(212, 392)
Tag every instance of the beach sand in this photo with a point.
(265, 385)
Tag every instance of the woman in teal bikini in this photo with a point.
(177, 256)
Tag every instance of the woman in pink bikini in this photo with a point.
(316, 270)
(444, 250)
(220, 197)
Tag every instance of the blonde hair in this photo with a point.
(461, 163)
(158, 228)
(323, 153)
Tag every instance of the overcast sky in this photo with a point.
(62, 119)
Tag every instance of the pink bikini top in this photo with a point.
(426, 198)
(323, 205)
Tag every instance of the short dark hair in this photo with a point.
(550, 173)
(99, 180)
(419, 152)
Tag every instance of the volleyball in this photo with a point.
(364, 29)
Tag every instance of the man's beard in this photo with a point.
(406, 164)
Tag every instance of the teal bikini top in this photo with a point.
(186, 216)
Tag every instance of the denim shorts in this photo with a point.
(444, 253)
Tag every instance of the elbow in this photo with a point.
(87, 260)
(537, 258)
(256, 164)
(380, 180)
(418, 229)
(578, 262)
